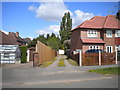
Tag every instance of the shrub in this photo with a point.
(23, 50)
(72, 62)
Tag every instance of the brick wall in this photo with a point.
(117, 41)
(84, 33)
(75, 40)
(109, 41)
(86, 46)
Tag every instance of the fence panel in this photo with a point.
(44, 53)
(108, 58)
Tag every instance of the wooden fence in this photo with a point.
(108, 58)
(43, 54)
(90, 59)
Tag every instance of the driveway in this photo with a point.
(26, 76)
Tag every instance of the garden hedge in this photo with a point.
(23, 54)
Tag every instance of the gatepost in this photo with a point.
(116, 57)
(99, 58)
(80, 56)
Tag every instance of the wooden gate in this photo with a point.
(89, 59)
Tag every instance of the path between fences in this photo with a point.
(54, 69)
(68, 68)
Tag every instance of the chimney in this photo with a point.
(17, 34)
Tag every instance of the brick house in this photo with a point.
(97, 33)
(12, 39)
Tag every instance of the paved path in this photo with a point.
(23, 76)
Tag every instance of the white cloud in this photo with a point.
(50, 11)
(48, 30)
(80, 16)
(32, 8)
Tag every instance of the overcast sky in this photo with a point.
(33, 18)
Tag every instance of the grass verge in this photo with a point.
(61, 62)
(72, 62)
(48, 63)
(107, 71)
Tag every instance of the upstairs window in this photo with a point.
(92, 33)
(108, 33)
(117, 33)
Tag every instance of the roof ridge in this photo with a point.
(105, 21)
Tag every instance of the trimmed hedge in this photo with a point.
(23, 54)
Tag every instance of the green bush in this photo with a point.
(23, 54)
(72, 62)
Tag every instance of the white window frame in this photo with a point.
(110, 47)
(109, 33)
(117, 47)
(117, 33)
(91, 33)
(94, 47)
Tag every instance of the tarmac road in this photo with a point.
(26, 76)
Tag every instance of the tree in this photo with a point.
(51, 41)
(118, 15)
(48, 35)
(32, 43)
(42, 39)
(65, 27)
(53, 35)
(54, 43)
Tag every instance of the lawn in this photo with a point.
(107, 71)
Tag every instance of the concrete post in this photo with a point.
(116, 57)
(99, 58)
(80, 57)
